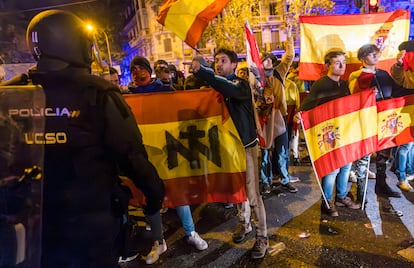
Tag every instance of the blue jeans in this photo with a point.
(404, 160)
(266, 167)
(184, 212)
(410, 162)
(340, 176)
(280, 157)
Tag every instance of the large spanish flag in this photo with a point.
(395, 121)
(318, 34)
(188, 18)
(194, 145)
(340, 131)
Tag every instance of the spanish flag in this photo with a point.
(318, 34)
(340, 131)
(188, 18)
(395, 121)
(192, 142)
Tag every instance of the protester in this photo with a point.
(402, 70)
(273, 113)
(293, 103)
(370, 77)
(242, 70)
(162, 72)
(177, 77)
(402, 74)
(141, 77)
(184, 212)
(83, 203)
(327, 88)
(112, 76)
(238, 98)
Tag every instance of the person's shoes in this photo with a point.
(260, 247)
(228, 205)
(346, 202)
(296, 161)
(195, 240)
(156, 251)
(293, 179)
(410, 177)
(241, 232)
(371, 175)
(385, 191)
(352, 176)
(405, 186)
(266, 188)
(331, 211)
(289, 187)
(127, 259)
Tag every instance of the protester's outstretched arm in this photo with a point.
(237, 89)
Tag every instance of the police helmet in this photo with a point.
(59, 39)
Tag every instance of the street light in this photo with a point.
(91, 28)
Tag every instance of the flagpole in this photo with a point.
(313, 166)
(366, 185)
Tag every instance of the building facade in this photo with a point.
(148, 38)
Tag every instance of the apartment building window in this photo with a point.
(272, 9)
(167, 45)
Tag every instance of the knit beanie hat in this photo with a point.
(142, 62)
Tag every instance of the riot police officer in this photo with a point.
(90, 136)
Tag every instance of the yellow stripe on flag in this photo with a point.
(188, 18)
(346, 130)
(393, 122)
(193, 143)
(182, 14)
(349, 33)
(232, 158)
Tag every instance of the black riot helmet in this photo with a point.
(59, 39)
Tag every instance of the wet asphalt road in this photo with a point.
(370, 238)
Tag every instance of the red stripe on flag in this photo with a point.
(337, 108)
(163, 10)
(344, 155)
(407, 134)
(356, 19)
(394, 103)
(155, 108)
(254, 51)
(220, 187)
(314, 71)
(408, 61)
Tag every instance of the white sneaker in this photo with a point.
(410, 177)
(127, 259)
(352, 176)
(196, 241)
(156, 251)
(371, 175)
(293, 179)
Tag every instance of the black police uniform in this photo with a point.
(90, 136)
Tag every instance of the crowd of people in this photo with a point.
(84, 205)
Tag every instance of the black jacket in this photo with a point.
(238, 99)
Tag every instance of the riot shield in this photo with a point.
(21, 161)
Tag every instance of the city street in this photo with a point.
(378, 237)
